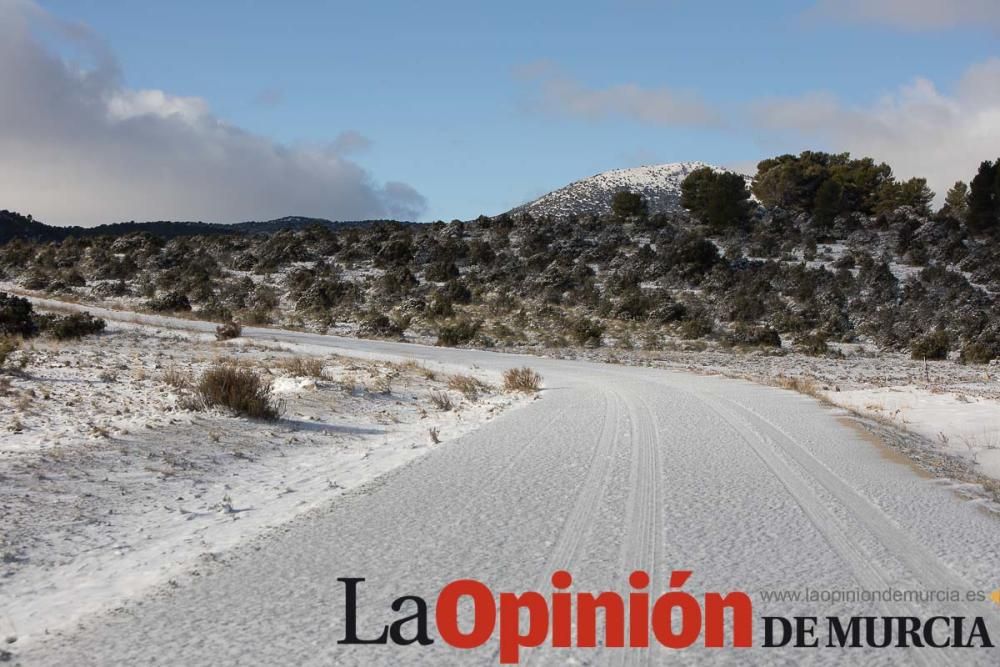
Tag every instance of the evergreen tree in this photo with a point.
(627, 204)
(695, 189)
(718, 199)
(984, 199)
(828, 202)
(916, 194)
(956, 202)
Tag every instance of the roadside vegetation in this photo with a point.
(240, 390)
(828, 249)
(522, 379)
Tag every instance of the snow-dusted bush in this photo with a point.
(241, 390)
(16, 316)
(459, 332)
(522, 379)
(932, 346)
(172, 302)
(8, 346)
(587, 332)
(978, 353)
(379, 324)
(74, 325)
(228, 330)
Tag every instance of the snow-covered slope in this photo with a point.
(660, 184)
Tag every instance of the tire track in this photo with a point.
(567, 546)
(642, 550)
(911, 553)
(871, 574)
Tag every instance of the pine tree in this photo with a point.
(627, 204)
(720, 200)
(956, 202)
(916, 194)
(827, 204)
(984, 199)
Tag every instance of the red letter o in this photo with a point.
(484, 618)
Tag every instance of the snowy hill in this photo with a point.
(659, 184)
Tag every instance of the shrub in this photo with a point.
(459, 332)
(440, 272)
(68, 327)
(932, 346)
(378, 324)
(169, 303)
(814, 344)
(8, 346)
(469, 386)
(587, 332)
(239, 389)
(627, 204)
(761, 336)
(698, 326)
(15, 316)
(310, 367)
(229, 330)
(978, 353)
(522, 379)
(442, 401)
(176, 379)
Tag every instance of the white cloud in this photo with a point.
(914, 14)
(917, 129)
(79, 147)
(553, 92)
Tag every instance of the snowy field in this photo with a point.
(111, 483)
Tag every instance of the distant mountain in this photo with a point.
(660, 184)
(14, 225)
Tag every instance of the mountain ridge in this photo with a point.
(659, 184)
(15, 225)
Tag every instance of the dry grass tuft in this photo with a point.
(442, 401)
(311, 367)
(803, 385)
(177, 379)
(469, 386)
(522, 379)
(241, 390)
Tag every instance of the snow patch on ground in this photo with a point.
(962, 425)
(110, 484)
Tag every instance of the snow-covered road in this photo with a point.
(613, 469)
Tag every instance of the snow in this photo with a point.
(614, 468)
(962, 425)
(112, 487)
(659, 184)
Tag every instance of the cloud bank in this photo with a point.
(917, 129)
(552, 91)
(77, 146)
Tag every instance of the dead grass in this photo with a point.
(522, 379)
(382, 384)
(442, 401)
(241, 390)
(468, 386)
(800, 384)
(302, 366)
(177, 379)
(416, 368)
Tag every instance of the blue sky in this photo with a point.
(480, 106)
